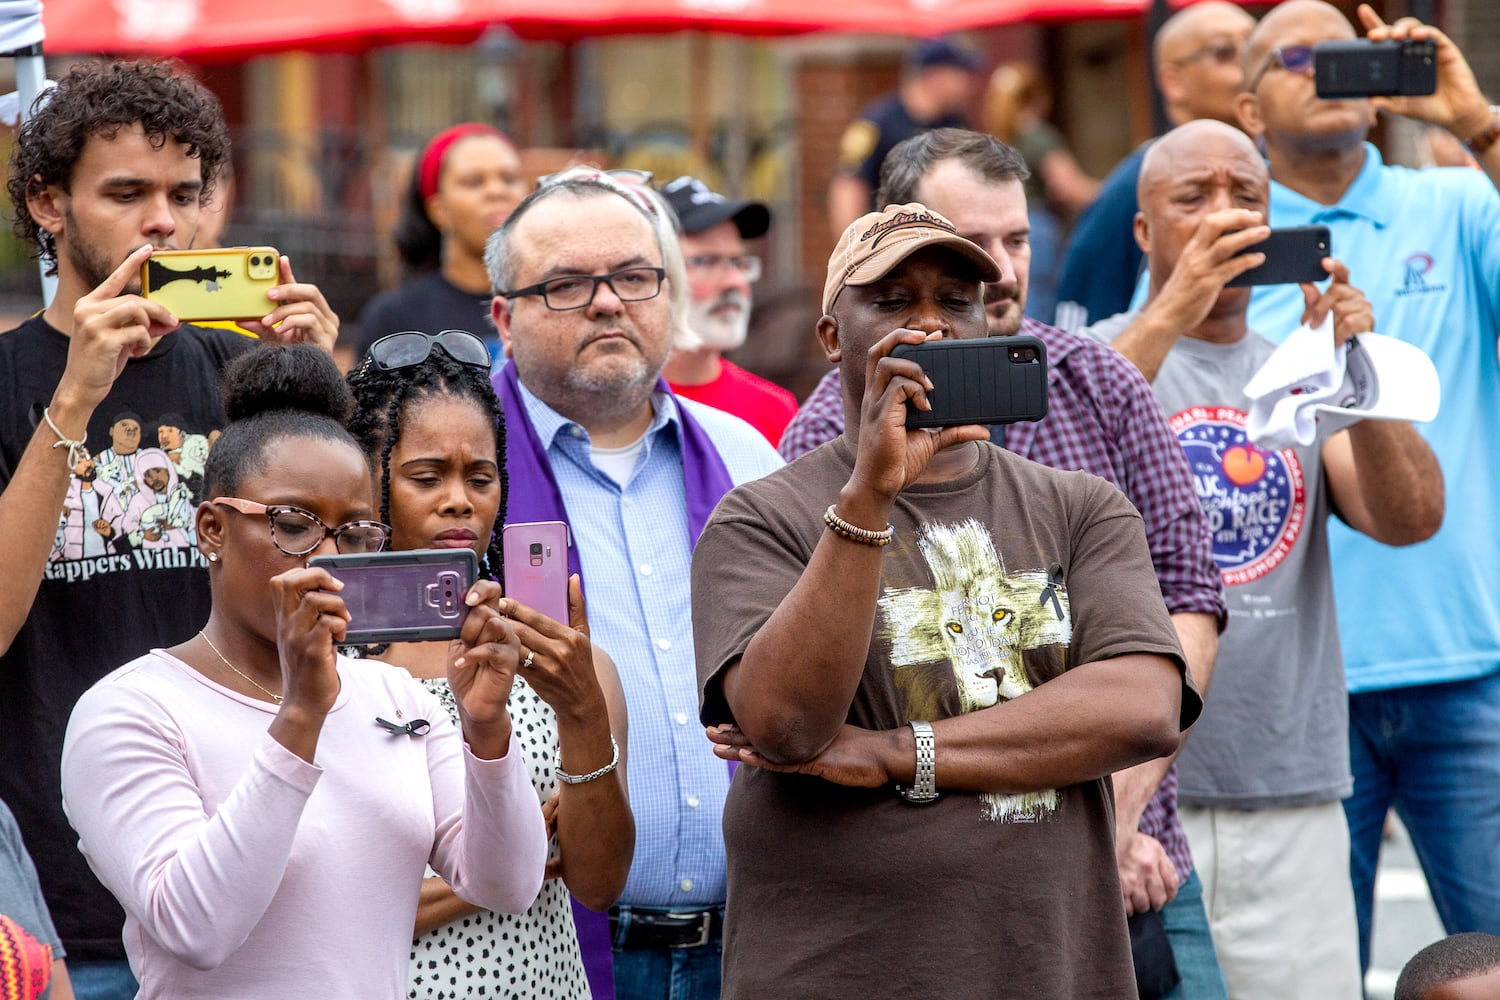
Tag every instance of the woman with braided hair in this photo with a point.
(431, 424)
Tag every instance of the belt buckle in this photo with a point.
(705, 926)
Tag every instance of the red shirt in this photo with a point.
(764, 405)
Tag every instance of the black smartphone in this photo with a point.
(1293, 255)
(992, 380)
(1362, 68)
(411, 596)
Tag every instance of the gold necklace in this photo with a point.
(274, 696)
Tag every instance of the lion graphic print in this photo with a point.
(989, 633)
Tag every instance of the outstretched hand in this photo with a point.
(303, 316)
(109, 328)
(1352, 312)
(311, 621)
(891, 457)
(482, 664)
(1458, 104)
(561, 670)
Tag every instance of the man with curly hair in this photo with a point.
(114, 163)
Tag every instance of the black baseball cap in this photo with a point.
(698, 208)
(943, 52)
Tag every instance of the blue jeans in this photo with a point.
(1432, 752)
(1192, 945)
(102, 980)
(667, 973)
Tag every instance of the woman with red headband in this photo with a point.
(463, 185)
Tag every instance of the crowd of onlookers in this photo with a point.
(1112, 703)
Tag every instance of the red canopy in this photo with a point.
(226, 29)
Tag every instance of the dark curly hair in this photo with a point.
(272, 392)
(381, 399)
(100, 99)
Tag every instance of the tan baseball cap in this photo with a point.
(874, 244)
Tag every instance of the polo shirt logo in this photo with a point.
(1414, 282)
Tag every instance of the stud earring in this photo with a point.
(213, 557)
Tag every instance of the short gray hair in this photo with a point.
(910, 160)
(499, 256)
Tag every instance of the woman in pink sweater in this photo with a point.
(266, 836)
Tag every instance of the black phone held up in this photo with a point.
(1362, 68)
(991, 380)
(411, 596)
(1293, 255)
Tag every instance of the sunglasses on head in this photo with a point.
(1292, 58)
(622, 175)
(412, 347)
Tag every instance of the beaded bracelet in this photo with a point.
(853, 532)
(579, 779)
(1478, 144)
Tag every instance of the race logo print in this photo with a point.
(1414, 277)
(1255, 499)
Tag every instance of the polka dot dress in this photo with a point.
(527, 956)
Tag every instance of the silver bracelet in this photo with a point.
(924, 785)
(579, 779)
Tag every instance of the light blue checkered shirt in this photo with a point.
(633, 547)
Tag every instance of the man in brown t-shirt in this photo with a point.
(927, 611)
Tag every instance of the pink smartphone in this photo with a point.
(536, 566)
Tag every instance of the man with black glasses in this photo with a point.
(596, 439)
(721, 270)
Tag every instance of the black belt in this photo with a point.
(664, 929)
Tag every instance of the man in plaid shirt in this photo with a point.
(1103, 419)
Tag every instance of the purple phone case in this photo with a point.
(536, 566)
(410, 596)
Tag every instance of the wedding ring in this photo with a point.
(530, 656)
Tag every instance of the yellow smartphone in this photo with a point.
(227, 283)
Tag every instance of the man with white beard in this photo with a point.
(720, 270)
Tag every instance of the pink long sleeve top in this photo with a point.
(245, 871)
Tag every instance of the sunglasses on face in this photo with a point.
(297, 532)
(411, 348)
(1222, 51)
(1292, 58)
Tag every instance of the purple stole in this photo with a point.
(534, 496)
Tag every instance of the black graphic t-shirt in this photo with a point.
(997, 582)
(124, 576)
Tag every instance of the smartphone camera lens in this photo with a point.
(536, 548)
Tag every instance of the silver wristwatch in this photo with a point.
(924, 788)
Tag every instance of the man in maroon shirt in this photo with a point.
(715, 231)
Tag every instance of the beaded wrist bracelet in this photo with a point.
(853, 532)
(1478, 144)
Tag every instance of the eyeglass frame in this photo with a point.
(250, 508)
(434, 340)
(540, 288)
(1213, 50)
(1277, 56)
(749, 266)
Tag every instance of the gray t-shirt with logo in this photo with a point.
(1274, 730)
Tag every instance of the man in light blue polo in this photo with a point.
(595, 438)
(1420, 625)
